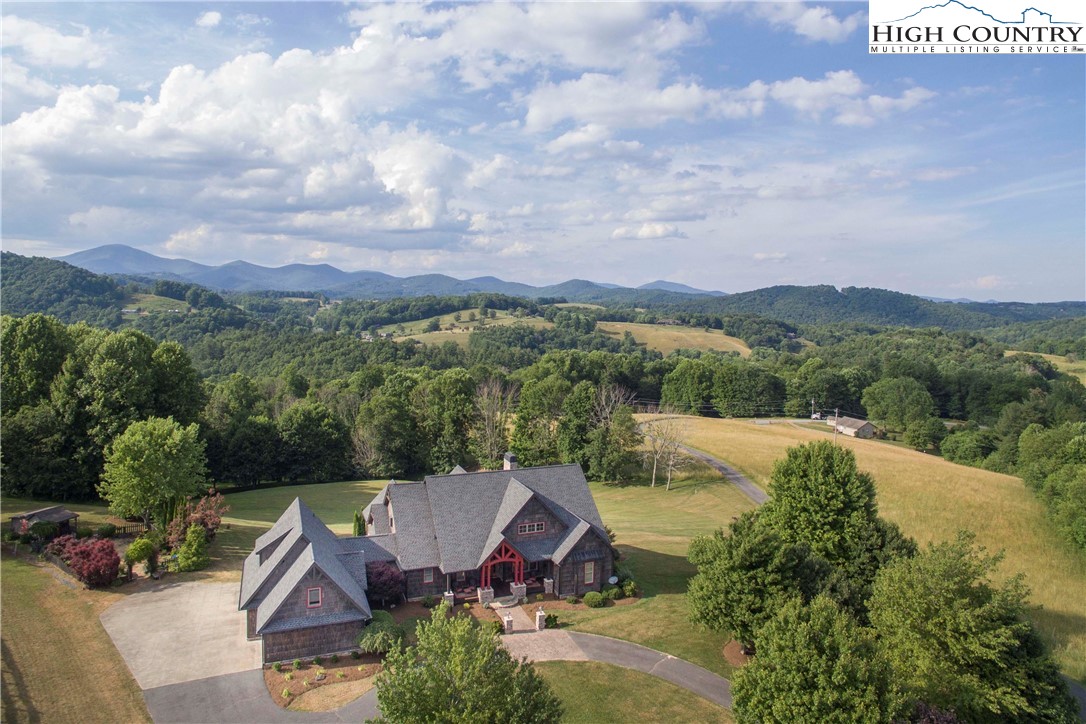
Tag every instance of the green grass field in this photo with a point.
(596, 693)
(666, 339)
(931, 499)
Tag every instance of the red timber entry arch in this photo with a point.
(504, 554)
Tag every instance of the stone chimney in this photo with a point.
(510, 461)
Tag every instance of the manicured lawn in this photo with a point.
(654, 528)
(931, 499)
(595, 693)
(667, 338)
(89, 513)
(59, 664)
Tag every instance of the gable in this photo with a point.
(292, 607)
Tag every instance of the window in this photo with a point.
(461, 576)
(428, 575)
(589, 572)
(313, 598)
(529, 528)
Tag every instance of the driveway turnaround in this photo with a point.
(181, 632)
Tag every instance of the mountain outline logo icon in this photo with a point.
(985, 13)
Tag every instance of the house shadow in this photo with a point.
(655, 572)
(16, 705)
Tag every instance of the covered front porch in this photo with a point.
(504, 573)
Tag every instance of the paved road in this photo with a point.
(741, 481)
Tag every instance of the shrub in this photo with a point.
(572, 599)
(106, 530)
(277, 667)
(356, 655)
(142, 549)
(382, 634)
(592, 599)
(95, 563)
(193, 554)
(612, 593)
(630, 588)
(44, 530)
(297, 664)
(334, 658)
(428, 601)
(207, 513)
(467, 605)
(10, 535)
(26, 539)
(82, 533)
(288, 676)
(551, 620)
(286, 693)
(59, 547)
(497, 627)
(539, 596)
(318, 660)
(340, 675)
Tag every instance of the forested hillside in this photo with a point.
(37, 284)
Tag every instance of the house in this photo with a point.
(487, 534)
(852, 427)
(65, 520)
(303, 589)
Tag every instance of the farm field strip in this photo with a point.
(666, 338)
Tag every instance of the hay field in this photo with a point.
(460, 331)
(931, 499)
(666, 339)
(1076, 368)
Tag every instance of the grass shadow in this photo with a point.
(655, 572)
(17, 704)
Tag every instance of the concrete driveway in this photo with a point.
(181, 632)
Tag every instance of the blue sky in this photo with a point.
(727, 146)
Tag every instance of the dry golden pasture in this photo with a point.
(1076, 368)
(931, 499)
(463, 328)
(666, 338)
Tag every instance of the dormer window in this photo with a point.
(313, 597)
(531, 528)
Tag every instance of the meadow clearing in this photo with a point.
(417, 330)
(1076, 368)
(667, 338)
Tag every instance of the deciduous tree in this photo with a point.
(460, 672)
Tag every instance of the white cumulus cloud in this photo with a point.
(209, 19)
(45, 46)
(648, 230)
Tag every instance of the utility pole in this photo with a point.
(836, 414)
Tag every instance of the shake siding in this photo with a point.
(305, 642)
(416, 589)
(332, 599)
(571, 575)
(534, 512)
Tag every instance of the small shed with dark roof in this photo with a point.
(65, 520)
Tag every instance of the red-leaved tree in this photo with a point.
(384, 581)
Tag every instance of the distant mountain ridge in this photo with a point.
(797, 305)
(242, 276)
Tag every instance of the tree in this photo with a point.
(459, 672)
(192, 555)
(957, 641)
(819, 498)
(924, 433)
(389, 425)
(385, 582)
(151, 467)
(493, 407)
(815, 664)
(535, 439)
(666, 435)
(611, 447)
(315, 443)
(576, 423)
(898, 401)
(446, 407)
(746, 577)
(32, 352)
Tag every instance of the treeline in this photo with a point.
(37, 284)
(69, 391)
(1066, 337)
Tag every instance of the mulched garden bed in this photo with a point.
(552, 604)
(734, 655)
(298, 681)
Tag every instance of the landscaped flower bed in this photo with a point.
(289, 682)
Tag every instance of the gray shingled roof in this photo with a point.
(455, 521)
(851, 423)
(297, 543)
(52, 514)
(324, 619)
